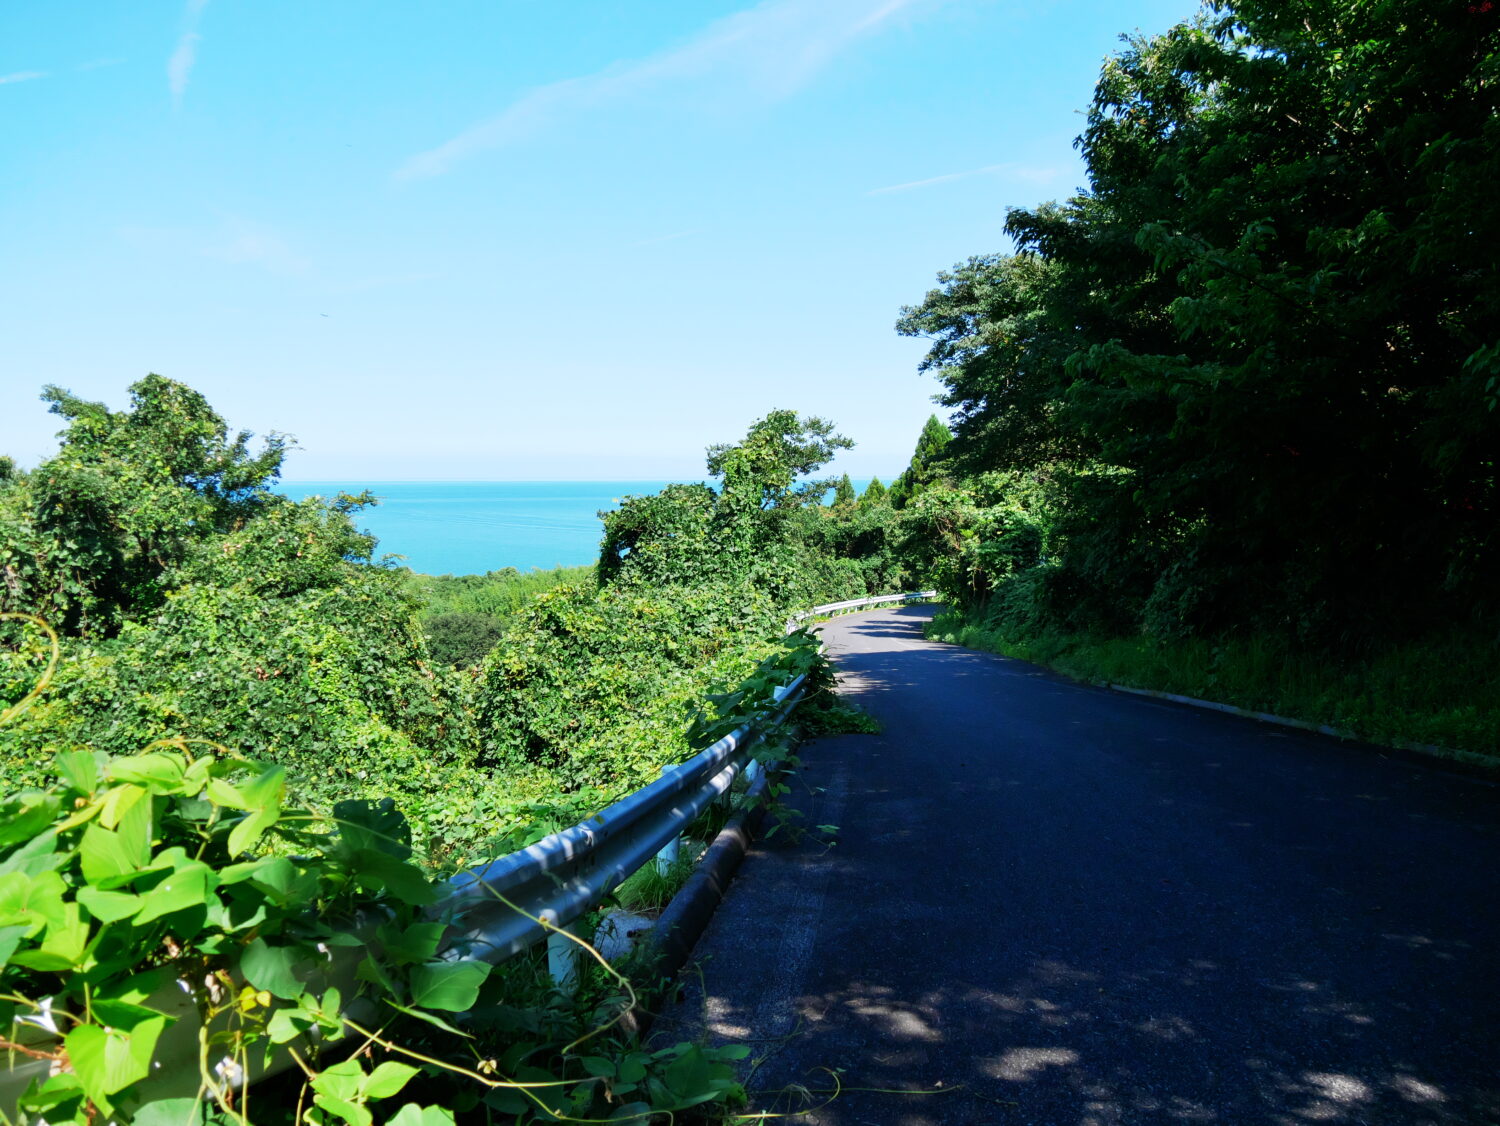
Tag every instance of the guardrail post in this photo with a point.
(667, 857)
(562, 960)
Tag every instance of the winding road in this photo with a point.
(1052, 904)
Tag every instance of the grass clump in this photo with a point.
(1439, 692)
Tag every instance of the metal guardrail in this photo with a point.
(562, 877)
(859, 604)
(558, 879)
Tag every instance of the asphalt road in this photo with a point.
(1054, 904)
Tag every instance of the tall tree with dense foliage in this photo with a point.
(195, 602)
(926, 460)
(91, 538)
(691, 533)
(775, 452)
(1257, 356)
(843, 493)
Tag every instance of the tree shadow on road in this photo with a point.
(1058, 905)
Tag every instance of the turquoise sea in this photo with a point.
(469, 527)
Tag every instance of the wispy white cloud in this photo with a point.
(180, 65)
(96, 64)
(1015, 171)
(260, 247)
(235, 240)
(770, 50)
(243, 243)
(21, 76)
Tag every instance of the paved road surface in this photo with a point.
(1071, 906)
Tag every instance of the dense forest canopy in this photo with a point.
(1256, 363)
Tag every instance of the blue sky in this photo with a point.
(513, 239)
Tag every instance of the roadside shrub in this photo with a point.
(595, 685)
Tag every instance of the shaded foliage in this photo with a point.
(1256, 356)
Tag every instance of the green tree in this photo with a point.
(90, 538)
(197, 603)
(774, 453)
(843, 493)
(925, 467)
(692, 534)
(1256, 356)
(875, 494)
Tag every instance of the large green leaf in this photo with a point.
(157, 771)
(262, 868)
(25, 816)
(63, 944)
(271, 968)
(120, 1013)
(10, 938)
(118, 802)
(413, 1115)
(188, 886)
(376, 825)
(109, 906)
(59, 1099)
(344, 1080)
(33, 857)
(107, 1060)
(377, 871)
(169, 1112)
(225, 793)
(689, 1074)
(79, 769)
(111, 857)
(134, 988)
(262, 797)
(351, 1112)
(411, 945)
(388, 1079)
(450, 986)
(287, 1024)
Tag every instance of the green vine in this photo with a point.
(151, 900)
